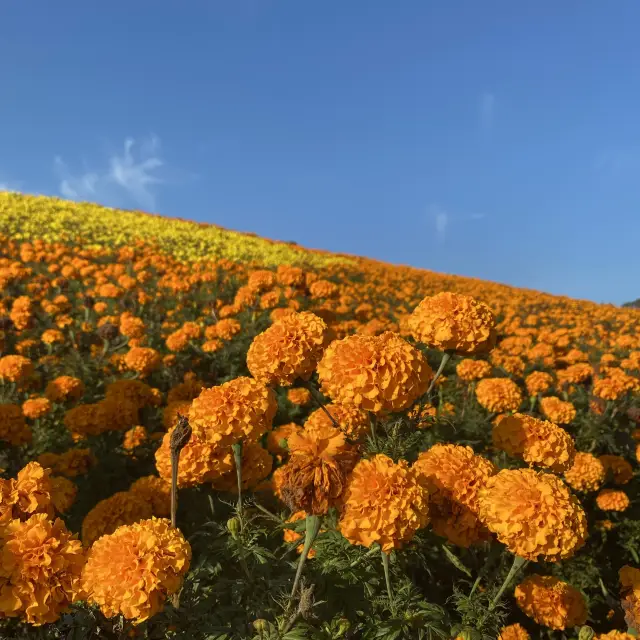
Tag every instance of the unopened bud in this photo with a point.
(260, 625)
(586, 633)
(233, 526)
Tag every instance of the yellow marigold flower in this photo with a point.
(15, 368)
(533, 514)
(375, 373)
(289, 349)
(353, 422)
(557, 410)
(470, 370)
(257, 463)
(41, 569)
(199, 461)
(551, 602)
(453, 476)
(586, 474)
(52, 336)
(133, 570)
(134, 437)
(63, 493)
(514, 632)
(299, 396)
(498, 394)
(277, 439)
(537, 442)
(156, 491)
(241, 409)
(36, 408)
(454, 322)
(384, 503)
(121, 508)
(538, 382)
(13, 428)
(64, 388)
(612, 500)
(617, 467)
(71, 463)
(143, 360)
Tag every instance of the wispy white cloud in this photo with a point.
(442, 220)
(487, 109)
(131, 175)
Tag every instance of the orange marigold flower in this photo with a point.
(323, 289)
(13, 428)
(289, 349)
(290, 276)
(576, 373)
(453, 476)
(64, 388)
(611, 388)
(143, 360)
(133, 570)
(199, 461)
(36, 408)
(174, 409)
(177, 341)
(551, 602)
(353, 422)
(533, 514)
(618, 468)
(470, 370)
(71, 463)
(299, 396)
(514, 632)
(63, 493)
(32, 491)
(52, 336)
(557, 410)
(257, 463)
(423, 415)
(90, 419)
(185, 391)
(615, 635)
(537, 442)
(454, 322)
(241, 409)
(134, 437)
(498, 394)
(131, 326)
(586, 474)
(277, 439)
(612, 500)
(224, 329)
(375, 373)
(121, 508)
(538, 382)
(211, 346)
(630, 591)
(156, 491)
(384, 503)
(15, 368)
(41, 569)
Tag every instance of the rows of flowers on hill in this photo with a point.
(217, 449)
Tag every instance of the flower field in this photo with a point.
(209, 435)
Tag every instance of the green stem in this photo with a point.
(311, 533)
(532, 403)
(373, 424)
(237, 457)
(318, 400)
(445, 358)
(387, 579)
(518, 563)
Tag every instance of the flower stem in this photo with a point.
(387, 579)
(237, 457)
(318, 400)
(518, 563)
(311, 533)
(445, 358)
(373, 424)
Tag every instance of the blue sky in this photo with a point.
(493, 139)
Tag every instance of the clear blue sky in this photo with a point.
(494, 139)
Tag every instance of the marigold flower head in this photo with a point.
(538, 382)
(353, 422)
(470, 370)
(143, 360)
(63, 493)
(13, 428)
(15, 368)
(32, 491)
(533, 514)
(514, 632)
(618, 468)
(41, 569)
(277, 439)
(64, 388)
(453, 476)
(257, 463)
(133, 570)
(199, 461)
(630, 591)
(299, 396)
(121, 508)
(71, 463)
(498, 394)
(586, 474)
(611, 388)
(612, 500)
(375, 373)
(615, 635)
(557, 410)
(156, 491)
(35, 408)
(177, 341)
(454, 322)
(537, 442)
(52, 336)
(551, 602)
(289, 349)
(384, 503)
(239, 410)
(134, 437)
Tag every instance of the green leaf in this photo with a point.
(455, 561)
